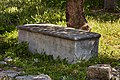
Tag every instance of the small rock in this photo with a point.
(100, 72)
(4, 76)
(17, 69)
(115, 73)
(115, 78)
(8, 59)
(11, 73)
(24, 77)
(117, 68)
(3, 62)
(113, 69)
(1, 69)
(42, 77)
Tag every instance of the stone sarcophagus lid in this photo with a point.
(69, 43)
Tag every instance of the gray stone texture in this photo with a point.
(68, 43)
(99, 72)
(11, 73)
(116, 73)
(8, 74)
(31, 77)
(8, 59)
(14, 75)
(42, 77)
(25, 77)
(3, 62)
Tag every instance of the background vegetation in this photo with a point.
(19, 12)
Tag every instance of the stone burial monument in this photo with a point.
(65, 42)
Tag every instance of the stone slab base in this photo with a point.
(54, 40)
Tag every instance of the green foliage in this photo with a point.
(118, 3)
(93, 4)
(61, 4)
(19, 12)
(18, 50)
(60, 69)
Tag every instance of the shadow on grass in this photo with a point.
(102, 16)
(102, 59)
(3, 45)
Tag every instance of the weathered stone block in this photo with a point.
(55, 40)
(99, 72)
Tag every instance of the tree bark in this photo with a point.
(75, 15)
(110, 5)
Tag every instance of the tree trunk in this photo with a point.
(75, 15)
(110, 5)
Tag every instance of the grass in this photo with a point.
(110, 39)
(109, 50)
(107, 24)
